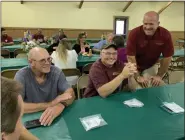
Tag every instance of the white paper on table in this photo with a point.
(174, 107)
(92, 122)
(133, 103)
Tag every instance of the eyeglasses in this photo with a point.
(109, 54)
(43, 61)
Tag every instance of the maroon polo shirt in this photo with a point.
(6, 39)
(100, 74)
(147, 49)
(36, 36)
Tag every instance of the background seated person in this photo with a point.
(97, 47)
(55, 40)
(65, 58)
(81, 46)
(108, 75)
(44, 86)
(120, 43)
(5, 39)
(38, 37)
(27, 36)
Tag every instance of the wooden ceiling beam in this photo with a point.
(81, 3)
(163, 8)
(126, 6)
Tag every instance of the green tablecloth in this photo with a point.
(17, 40)
(17, 63)
(12, 48)
(83, 60)
(13, 63)
(57, 131)
(177, 53)
(147, 123)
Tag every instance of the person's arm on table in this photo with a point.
(62, 101)
(8, 44)
(26, 135)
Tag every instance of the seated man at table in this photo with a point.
(108, 75)
(11, 112)
(45, 86)
(97, 47)
(38, 37)
(144, 47)
(5, 39)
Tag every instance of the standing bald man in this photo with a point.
(44, 86)
(145, 45)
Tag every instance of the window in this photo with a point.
(121, 26)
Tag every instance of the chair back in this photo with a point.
(82, 83)
(10, 73)
(5, 53)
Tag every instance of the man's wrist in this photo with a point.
(64, 104)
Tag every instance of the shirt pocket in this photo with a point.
(142, 47)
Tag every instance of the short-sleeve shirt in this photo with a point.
(100, 44)
(33, 92)
(147, 49)
(100, 74)
(6, 39)
(36, 36)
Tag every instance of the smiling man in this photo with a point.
(108, 75)
(145, 44)
(44, 86)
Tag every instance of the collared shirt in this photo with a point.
(100, 74)
(146, 49)
(100, 44)
(6, 39)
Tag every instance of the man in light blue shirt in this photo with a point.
(97, 47)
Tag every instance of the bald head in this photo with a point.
(150, 22)
(152, 14)
(37, 52)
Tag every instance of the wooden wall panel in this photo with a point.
(16, 32)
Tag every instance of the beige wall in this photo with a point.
(93, 15)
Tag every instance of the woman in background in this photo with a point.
(27, 36)
(81, 46)
(120, 43)
(65, 58)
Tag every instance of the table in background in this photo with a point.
(181, 43)
(13, 63)
(17, 41)
(150, 122)
(12, 48)
(17, 63)
(178, 53)
(83, 60)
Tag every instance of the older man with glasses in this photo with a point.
(109, 75)
(44, 86)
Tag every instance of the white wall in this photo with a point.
(93, 15)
